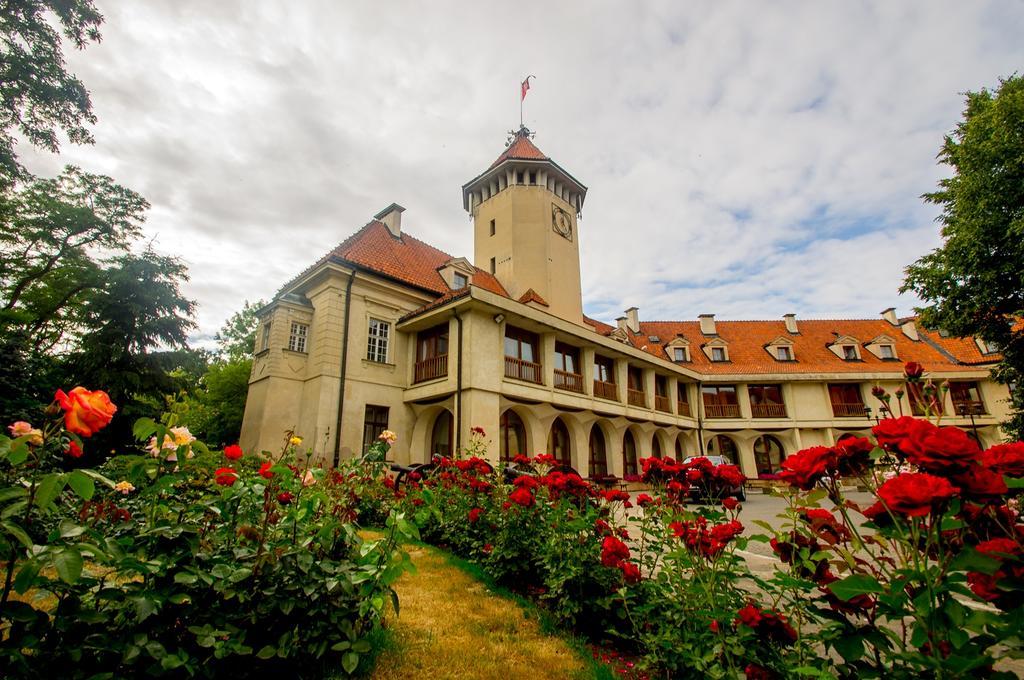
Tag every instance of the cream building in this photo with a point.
(388, 332)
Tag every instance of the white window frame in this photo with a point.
(265, 337)
(378, 338)
(456, 285)
(677, 351)
(852, 354)
(882, 349)
(724, 356)
(298, 337)
(784, 353)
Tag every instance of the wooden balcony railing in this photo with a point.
(636, 398)
(965, 407)
(683, 408)
(722, 410)
(768, 410)
(848, 410)
(662, 403)
(428, 369)
(522, 370)
(570, 382)
(606, 390)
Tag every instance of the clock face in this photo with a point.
(561, 222)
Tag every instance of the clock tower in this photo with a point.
(525, 211)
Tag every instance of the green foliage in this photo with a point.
(973, 283)
(184, 570)
(236, 339)
(40, 97)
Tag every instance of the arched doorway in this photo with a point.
(512, 436)
(721, 445)
(679, 448)
(768, 455)
(558, 442)
(598, 466)
(656, 447)
(629, 454)
(441, 435)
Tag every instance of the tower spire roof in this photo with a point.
(520, 148)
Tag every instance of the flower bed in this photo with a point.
(193, 563)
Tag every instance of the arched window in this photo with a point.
(558, 442)
(679, 448)
(656, 447)
(629, 454)
(768, 455)
(512, 436)
(725, 447)
(441, 436)
(598, 454)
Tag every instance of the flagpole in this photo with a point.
(521, 98)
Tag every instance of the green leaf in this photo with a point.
(350, 661)
(18, 454)
(970, 559)
(267, 652)
(81, 484)
(26, 578)
(144, 608)
(185, 578)
(361, 646)
(144, 429)
(69, 529)
(850, 647)
(68, 563)
(19, 533)
(48, 489)
(854, 585)
(1014, 482)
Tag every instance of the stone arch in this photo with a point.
(560, 441)
(512, 419)
(442, 434)
(662, 443)
(725, 446)
(630, 452)
(597, 462)
(419, 442)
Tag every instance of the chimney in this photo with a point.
(909, 329)
(391, 216)
(889, 315)
(621, 323)
(633, 319)
(791, 326)
(707, 324)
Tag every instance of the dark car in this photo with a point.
(698, 494)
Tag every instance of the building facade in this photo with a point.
(388, 332)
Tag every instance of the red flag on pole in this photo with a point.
(525, 88)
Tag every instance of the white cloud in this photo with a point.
(743, 159)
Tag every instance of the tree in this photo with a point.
(38, 97)
(139, 308)
(975, 281)
(237, 337)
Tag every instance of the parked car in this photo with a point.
(698, 494)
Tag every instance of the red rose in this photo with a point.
(913, 370)
(980, 483)
(729, 476)
(730, 503)
(613, 552)
(1006, 459)
(225, 476)
(488, 548)
(85, 412)
(526, 482)
(643, 500)
(984, 585)
(602, 528)
(714, 626)
(804, 468)
(233, 452)
(853, 455)
(520, 459)
(824, 524)
(630, 572)
(284, 498)
(474, 515)
(478, 431)
(942, 450)
(914, 494)
(999, 547)
(755, 672)
(522, 496)
(265, 470)
(74, 450)
(769, 625)
(898, 434)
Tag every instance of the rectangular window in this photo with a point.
(567, 358)
(460, 281)
(720, 401)
(886, 352)
(519, 177)
(493, 226)
(766, 401)
(784, 353)
(849, 353)
(966, 398)
(521, 358)
(375, 422)
(679, 354)
(431, 353)
(635, 377)
(604, 369)
(846, 400)
(297, 337)
(718, 354)
(493, 266)
(533, 178)
(265, 339)
(377, 341)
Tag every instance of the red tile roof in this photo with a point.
(964, 350)
(531, 296)
(520, 149)
(746, 342)
(405, 259)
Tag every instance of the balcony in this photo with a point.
(848, 410)
(570, 382)
(429, 369)
(636, 398)
(606, 390)
(522, 370)
(966, 407)
(722, 410)
(768, 410)
(683, 408)
(662, 404)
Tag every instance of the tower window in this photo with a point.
(377, 341)
(533, 178)
(297, 337)
(493, 227)
(493, 267)
(519, 177)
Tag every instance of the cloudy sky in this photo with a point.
(743, 158)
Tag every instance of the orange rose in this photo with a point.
(85, 412)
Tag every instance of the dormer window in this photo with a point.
(886, 352)
(459, 281)
(784, 353)
(718, 354)
(680, 354)
(987, 347)
(849, 352)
